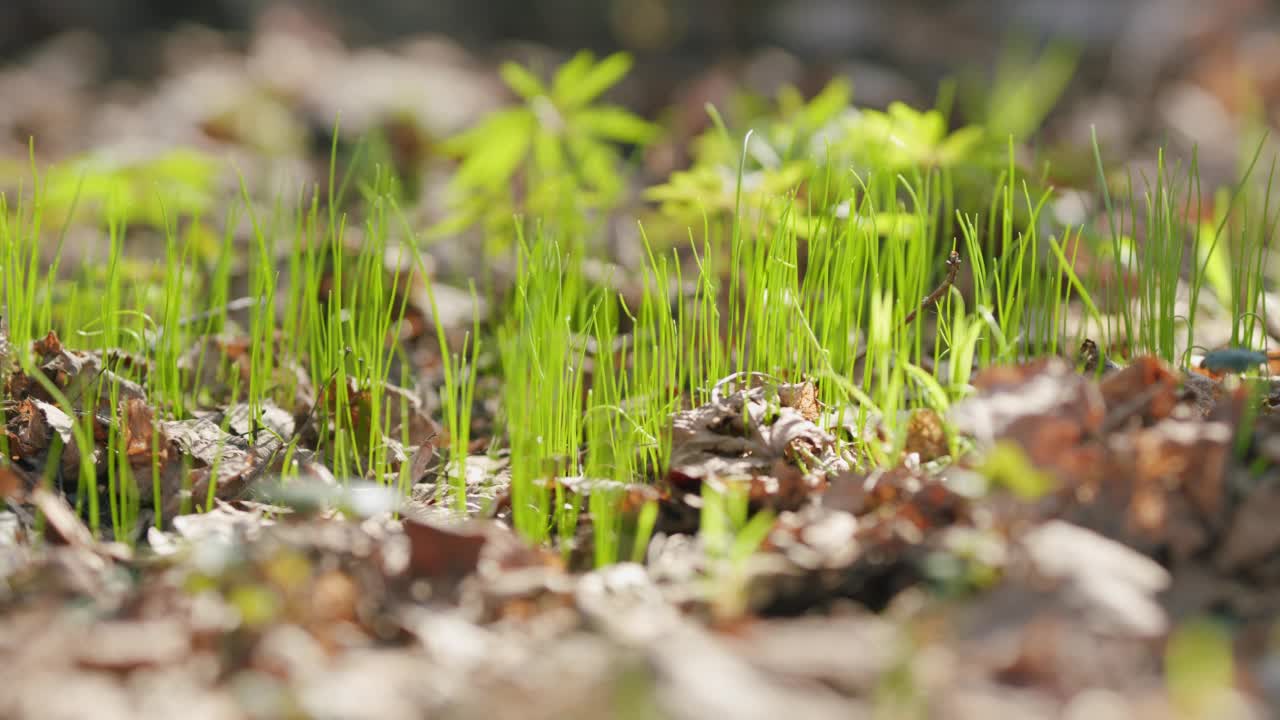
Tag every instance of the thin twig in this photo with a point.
(953, 269)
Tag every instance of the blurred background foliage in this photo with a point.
(923, 37)
(605, 102)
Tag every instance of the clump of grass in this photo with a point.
(657, 373)
(730, 534)
(113, 305)
(543, 386)
(458, 396)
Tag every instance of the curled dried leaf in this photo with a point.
(1146, 389)
(926, 435)
(439, 552)
(765, 434)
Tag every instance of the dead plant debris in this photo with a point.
(1161, 507)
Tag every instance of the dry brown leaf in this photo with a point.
(926, 435)
(74, 373)
(1031, 393)
(67, 527)
(129, 645)
(1254, 533)
(1113, 583)
(202, 445)
(1146, 388)
(1203, 391)
(439, 552)
(803, 397)
(13, 483)
(224, 523)
(28, 430)
(753, 435)
(334, 597)
(139, 430)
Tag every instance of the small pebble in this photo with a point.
(1232, 360)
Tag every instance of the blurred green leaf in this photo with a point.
(255, 605)
(1026, 88)
(596, 163)
(493, 163)
(176, 182)
(595, 81)
(960, 145)
(1199, 667)
(502, 122)
(751, 536)
(1213, 253)
(1008, 466)
(614, 123)
(523, 82)
(460, 219)
(567, 145)
(572, 74)
(548, 155)
(826, 105)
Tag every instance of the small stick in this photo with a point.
(953, 269)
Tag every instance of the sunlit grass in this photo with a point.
(842, 275)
